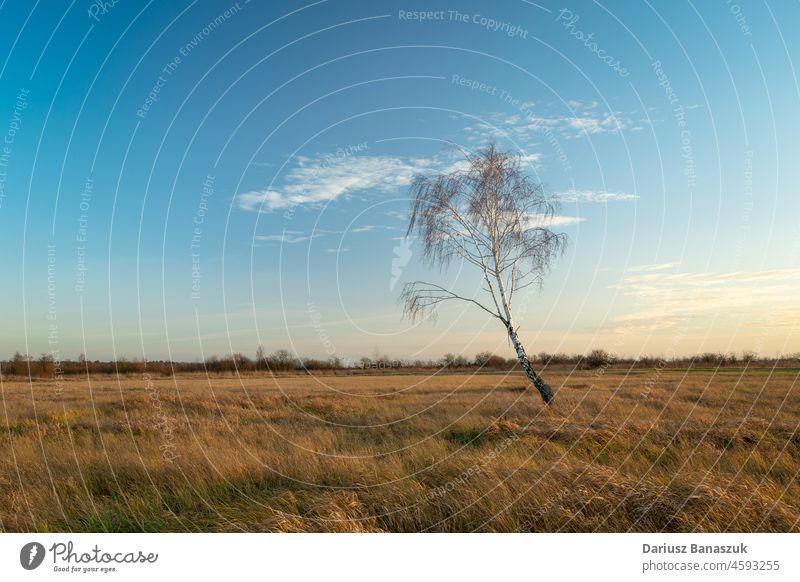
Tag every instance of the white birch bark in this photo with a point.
(543, 388)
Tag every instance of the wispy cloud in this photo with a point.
(530, 159)
(651, 267)
(526, 123)
(288, 237)
(372, 228)
(323, 179)
(542, 220)
(396, 214)
(716, 279)
(594, 196)
(661, 300)
(255, 201)
(294, 236)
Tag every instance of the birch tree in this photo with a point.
(493, 217)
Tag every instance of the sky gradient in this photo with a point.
(192, 178)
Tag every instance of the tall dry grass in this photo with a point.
(643, 451)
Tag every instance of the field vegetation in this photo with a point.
(283, 361)
(637, 449)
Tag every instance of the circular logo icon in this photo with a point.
(31, 555)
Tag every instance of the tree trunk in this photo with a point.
(541, 386)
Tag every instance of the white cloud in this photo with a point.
(716, 279)
(661, 300)
(530, 159)
(542, 220)
(652, 267)
(398, 215)
(372, 228)
(582, 119)
(594, 196)
(289, 237)
(326, 178)
(254, 201)
(294, 236)
(599, 124)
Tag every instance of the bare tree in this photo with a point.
(494, 217)
(261, 357)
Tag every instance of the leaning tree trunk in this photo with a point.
(541, 386)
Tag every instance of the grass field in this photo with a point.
(619, 451)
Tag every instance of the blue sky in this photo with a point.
(187, 178)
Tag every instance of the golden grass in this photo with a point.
(641, 451)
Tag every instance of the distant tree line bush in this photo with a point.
(284, 362)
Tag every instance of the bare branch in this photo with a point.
(420, 298)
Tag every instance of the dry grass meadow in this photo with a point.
(619, 451)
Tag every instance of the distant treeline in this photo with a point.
(283, 361)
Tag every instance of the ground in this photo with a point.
(641, 450)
